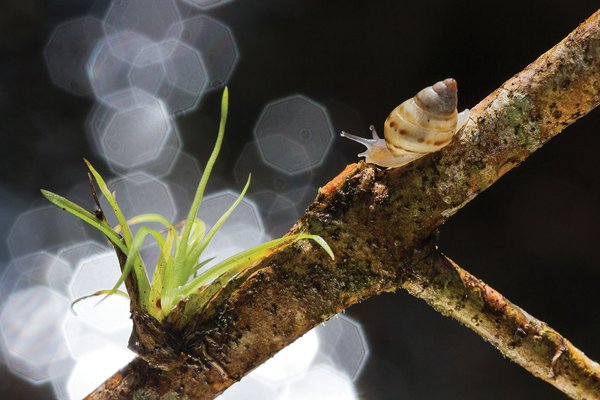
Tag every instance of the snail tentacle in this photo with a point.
(360, 139)
(373, 132)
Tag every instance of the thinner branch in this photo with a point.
(519, 336)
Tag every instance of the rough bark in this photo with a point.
(524, 339)
(380, 224)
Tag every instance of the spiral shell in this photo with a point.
(422, 124)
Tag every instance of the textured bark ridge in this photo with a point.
(380, 224)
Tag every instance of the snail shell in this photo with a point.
(421, 125)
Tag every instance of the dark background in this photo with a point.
(532, 236)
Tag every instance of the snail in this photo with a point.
(421, 125)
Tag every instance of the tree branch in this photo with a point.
(524, 339)
(380, 224)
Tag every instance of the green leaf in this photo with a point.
(134, 261)
(197, 301)
(178, 261)
(197, 233)
(209, 166)
(245, 258)
(202, 264)
(199, 248)
(127, 236)
(156, 288)
(321, 242)
(171, 276)
(203, 288)
(237, 262)
(85, 216)
(152, 217)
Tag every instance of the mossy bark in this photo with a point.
(381, 225)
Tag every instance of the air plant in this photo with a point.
(178, 276)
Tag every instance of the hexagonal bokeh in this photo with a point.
(43, 228)
(134, 136)
(99, 273)
(302, 196)
(29, 270)
(60, 273)
(138, 194)
(293, 361)
(286, 374)
(206, 4)
(68, 50)
(93, 369)
(264, 177)
(58, 276)
(281, 153)
(242, 230)
(165, 159)
(148, 71)
(73, 254)
(109, 65)
(294, 134)
(59, 374)
(279, 212)
(151, 18)
(321, 382)
(214, 41)
(248, 384)
(80, 194)
(216, 204)
(11, 207)
(172, 71)
(132, 129)
(220, 248)
(183, 180)
(343, 341)
(82, 338)
(30, 344)
(99, 8)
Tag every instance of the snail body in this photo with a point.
(421, 125)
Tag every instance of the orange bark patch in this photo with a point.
(113, 382)
(494, 301)
(334, 184)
